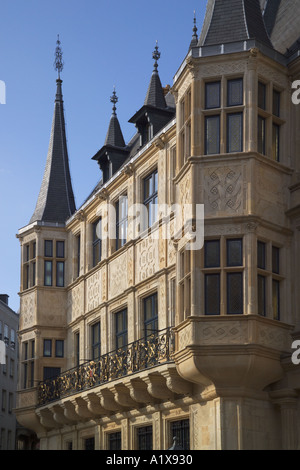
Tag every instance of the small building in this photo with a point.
(9, 325)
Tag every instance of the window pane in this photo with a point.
(235, 252)
(276, 103)
(48, 273)
(60, 274)
(261, 255)
(121, 329)
(275, 142)
(144, 436)
(235, 132)
(235, 92)
(261, 137)
(212, 253)
(150, 315)
(60, 249)
(234, 293)
(181, 430)
(212, 135)
(96, 341)
(261, 295)
(48, 248)
(51, 372)
(114, 441)
(275, 259)
(59, 348)
(47, 347)
(276, 299)
(212, 95)
(212, 294)
(261, 95)
(89, 444)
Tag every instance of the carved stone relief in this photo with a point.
(117, 275)
(147, 258)
(223, 189)
(94, 291)
(28, 308)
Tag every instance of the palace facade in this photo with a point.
(130, 338)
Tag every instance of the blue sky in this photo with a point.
(105, 43)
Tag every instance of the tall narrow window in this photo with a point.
(212, 95)
(60, 273)
(151, 197)
(121, 329)
(97, 241)
(48, 277)
(262, 95)
(234, 293)
(96, 341)
(121, 221)
(212, 294)
(235, 132)
(212, 135)
(261, 135)
(60, 249)
(150, 315)
(77, 349)
(276, 142)
(114, 441)
(78, 242)
(235, 92)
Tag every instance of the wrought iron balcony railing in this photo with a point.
(137, 356)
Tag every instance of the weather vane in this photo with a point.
(114, 100)
(58, 63)
(156, 56)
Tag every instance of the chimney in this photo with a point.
(4, 298)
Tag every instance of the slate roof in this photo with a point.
(233, 21)
(56, 202)
(114, 134)
(155, 94)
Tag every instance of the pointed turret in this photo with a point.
(233, 21)
(114, 134)
(155, 94)
(155, 113)
(114, 151)
(56, 199)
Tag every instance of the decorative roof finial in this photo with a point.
(195, 29)
(58, 63)
(114, 99)
(156, 56)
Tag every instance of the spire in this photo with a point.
(233, 21)
(194, 41)
(56, 199)
(114, 134)
(155, 94)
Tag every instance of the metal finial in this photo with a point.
(156, 56)
(195, 29)
(58, 63)
(114, 99)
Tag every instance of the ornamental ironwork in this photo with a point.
(137, 356)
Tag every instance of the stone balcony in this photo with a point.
(236, 352)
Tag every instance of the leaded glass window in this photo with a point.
(121, 329)
(212, 253)
(261, 295)
(261, 255)
(235, 92)
(261, 137)
(60, 274)
(212, 294)
(262, 95)
(275, 142)
(235, 132)
(276, 299)
(212, 135)
(212, 95)
(234, 252)
(276, 103)
(234, 293)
